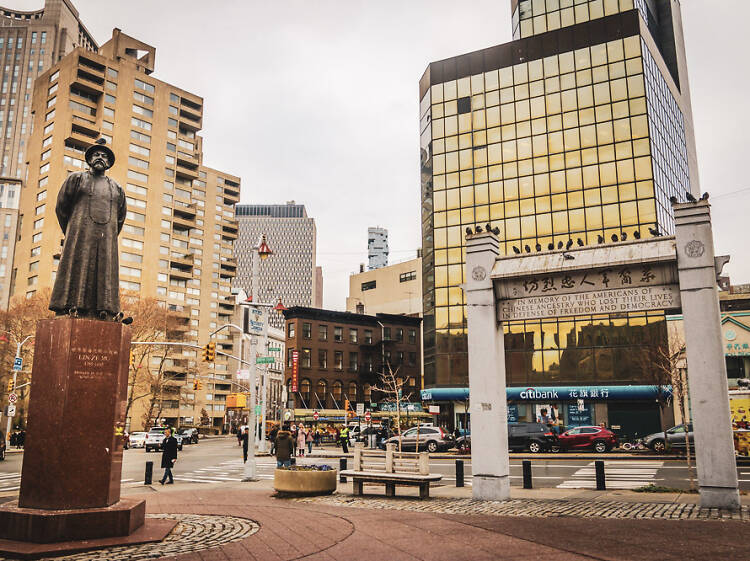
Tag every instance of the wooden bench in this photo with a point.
(391, 468)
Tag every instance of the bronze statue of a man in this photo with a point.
(91, 210)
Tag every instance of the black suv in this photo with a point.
(534, 437)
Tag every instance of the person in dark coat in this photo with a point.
(168, 456)
(284, 447)
(245, 443)
(272, 438)
(91, 210)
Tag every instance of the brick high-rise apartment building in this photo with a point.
(178, 239)
(30, 42)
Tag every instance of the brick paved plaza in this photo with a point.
(244, 521)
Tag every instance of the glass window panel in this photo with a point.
(628, 214)
(560, 222)
(544, 224)
(625, 171)
(609, 194)
(594, 217)
(647, 211)
(611, 216)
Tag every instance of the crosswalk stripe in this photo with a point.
(618, 475)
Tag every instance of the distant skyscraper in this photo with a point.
(290, 273)
(318, 300)
(30, 42)
(377, 248)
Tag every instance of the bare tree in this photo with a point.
(670, 364)
(150, 375)
(392, 387)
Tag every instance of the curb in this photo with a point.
(531, 457)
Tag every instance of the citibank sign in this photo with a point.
(531, 393)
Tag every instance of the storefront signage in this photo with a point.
(512, 413)
(617, 300)
(579, 417)
(558, 393)
(295, 370)
(404, 407)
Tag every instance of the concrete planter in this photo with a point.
(304, 482)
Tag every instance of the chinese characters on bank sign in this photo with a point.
(295, 370)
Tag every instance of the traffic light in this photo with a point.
(11, 385)
(132, 359)
(197, 385)
(348, 409)
(209, 352)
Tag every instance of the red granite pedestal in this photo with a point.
(70, 484)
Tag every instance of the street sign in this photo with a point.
(257, 409)
(434, 410)
(288, 415)
(274, 349)
(315, 415)
(11, 410)
(368, 416)
(264, 360)
(17, 364)
(13, 397)
(360, 409)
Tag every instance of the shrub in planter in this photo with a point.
(305, 480)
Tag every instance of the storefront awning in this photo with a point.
(559, 393)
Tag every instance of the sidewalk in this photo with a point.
(449, 526)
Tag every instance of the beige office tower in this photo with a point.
(30, 42)
(178, 238)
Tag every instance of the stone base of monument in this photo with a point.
(32, 533)
(70, 484)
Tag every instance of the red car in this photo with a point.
(584, 438)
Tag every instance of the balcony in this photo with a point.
(82, 131)
(184, 210)
(89, 81)
(180, 274)
(184, 260)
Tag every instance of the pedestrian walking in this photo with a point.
(168, 456)
(21, 438)
(344, 437)
(284, 447)
(245, 443)
(309, 437)
(301, 440)
(239, 436)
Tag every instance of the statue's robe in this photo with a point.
(91, 214)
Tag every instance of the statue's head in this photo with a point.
(99, 156)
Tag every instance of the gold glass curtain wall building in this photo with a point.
(577, 131)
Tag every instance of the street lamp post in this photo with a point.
(260, 252)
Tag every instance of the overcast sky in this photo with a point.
(318, 102)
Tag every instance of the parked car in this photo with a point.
(597, 439)
(155, 437)
(137, 439)
(671, 438)
(189, 435)
(534, 437)
(432, 439)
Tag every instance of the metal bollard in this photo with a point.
(459, 473)
(342, 467)
(149, 473)
(600, 482)
(527, 483)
